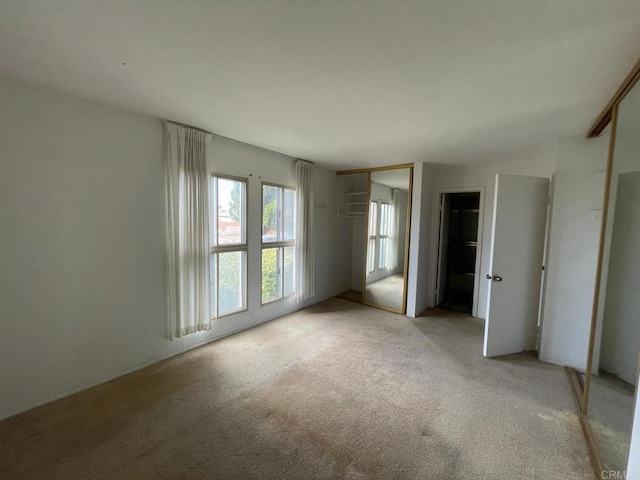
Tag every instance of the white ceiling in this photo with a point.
(345, 83)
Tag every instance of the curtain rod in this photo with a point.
(190, 126)
(306, 161)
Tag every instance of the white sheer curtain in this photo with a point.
(304, 231)
(187, 194)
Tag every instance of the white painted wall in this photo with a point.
(351, 232)
(342, 256)
(577, 190)
(328, 246)
(82, 249)
(332, 244)
(402, 203)
(82, 246)
(419, 240)
(540, 163)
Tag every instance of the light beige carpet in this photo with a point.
(336, 391)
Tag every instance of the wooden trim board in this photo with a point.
(596, 289)
(374, 169)
(607, 114)
(574, 383)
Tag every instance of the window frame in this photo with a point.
(229, 248)
(279, 244)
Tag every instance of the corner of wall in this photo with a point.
(418, 274)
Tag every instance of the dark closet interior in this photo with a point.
(460, 218)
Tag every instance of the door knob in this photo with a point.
(497, 278)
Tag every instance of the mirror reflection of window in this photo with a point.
(389, 192)
(373, 232)
(373, 218)
(371, 258)
(384, 219)
(387, 233)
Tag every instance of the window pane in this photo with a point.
(231, 212)
(214, 283)
(231, 271)
(270, 209)
(384, 253)
(289, 255)
(383, 219)
(373, 218)
(271, 285)
(371, 255)
(289, 218)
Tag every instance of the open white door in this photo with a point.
(515, 264)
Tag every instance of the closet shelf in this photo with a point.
(352, 214)
(355, 205)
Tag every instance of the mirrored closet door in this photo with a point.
(610, 384)
(376, 209)
(387, 241)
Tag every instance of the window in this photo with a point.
(385, 219)
(371, 255)
(373, 231)
(381, 233)
(386, 230)
(373, 218)
(228, 241)
(278, 242)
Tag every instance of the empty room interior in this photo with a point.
(271, 239)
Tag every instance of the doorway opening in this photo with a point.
(458, 251)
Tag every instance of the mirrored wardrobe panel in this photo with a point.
(375, 221)
(387, 239)
(610, 386)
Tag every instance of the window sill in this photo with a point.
(275, 300)
(228, 314)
